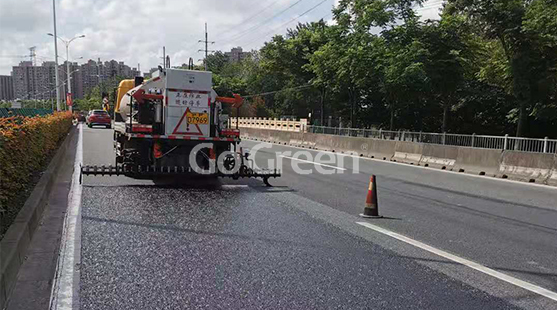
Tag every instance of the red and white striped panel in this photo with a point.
(180, 137)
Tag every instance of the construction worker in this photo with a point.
(106, 106)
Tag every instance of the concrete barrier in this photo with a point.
(308, 140)
(295, 139)
(322, 142)
(408, 152)
(343, 144)
(381, 149)
(357, 146)
(517, 165)
(18, 237)
(439, 156)
(553, 176)
(527, 166)
(478, 161)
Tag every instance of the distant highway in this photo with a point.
(301, 245)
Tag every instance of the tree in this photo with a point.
(398, 71)
(486, 67)
(451, 58)
(216, 62)
(521, 27)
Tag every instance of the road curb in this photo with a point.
(14, 246)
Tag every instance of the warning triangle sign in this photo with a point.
(176, 132)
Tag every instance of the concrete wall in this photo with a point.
(527, 166)
(533, 167)
(408, 152)
(439, 156)
(478, 161)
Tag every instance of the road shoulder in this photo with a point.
(34, 282)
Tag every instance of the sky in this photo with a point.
(135, 31)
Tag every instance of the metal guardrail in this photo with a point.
(9, 112)
(480, 141)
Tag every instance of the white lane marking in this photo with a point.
(486, 177)
(496, 274)
(65, 287)
(312, 162)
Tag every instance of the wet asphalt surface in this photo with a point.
(223, 244)
(510, 227)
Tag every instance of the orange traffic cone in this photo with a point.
(371, 210)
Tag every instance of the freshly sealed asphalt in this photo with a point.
(223, 244)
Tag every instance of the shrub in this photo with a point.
(25, 145)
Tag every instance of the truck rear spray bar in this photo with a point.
(143, 171)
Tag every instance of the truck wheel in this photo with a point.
(229, 162)
(89, 125)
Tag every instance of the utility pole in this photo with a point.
(56, 57)
(164, 56)
(206, 41)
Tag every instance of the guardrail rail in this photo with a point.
(505, 142)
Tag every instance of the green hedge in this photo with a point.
(9, 112)
(25, 145)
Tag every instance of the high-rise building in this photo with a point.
(74, 72)
(34, 82)
(6, 87)
(89, 75)
(37, 82)
(236, 54)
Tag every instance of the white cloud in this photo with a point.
(430, 9)
(135, 31)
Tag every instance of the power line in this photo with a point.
(243, 22)
(278, 91)
(431, 5)
(288, 22)
(243, 33)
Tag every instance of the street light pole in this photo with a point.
(67, 43)
(56, 57)
(68, 74)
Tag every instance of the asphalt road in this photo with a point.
(239, 245)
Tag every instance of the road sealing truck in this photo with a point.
(173, 124)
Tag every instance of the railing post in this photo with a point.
(403, 135)
(473, 138)
(380, 133)
(506, 142)
(420, 138)
(545, 145)
(444, 136)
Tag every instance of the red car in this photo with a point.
(99, 118)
